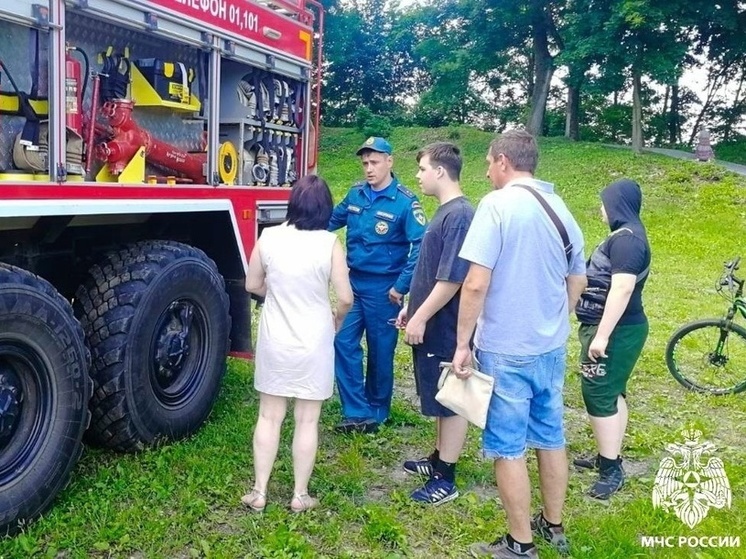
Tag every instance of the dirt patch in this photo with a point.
(485, 492)
(639, 468)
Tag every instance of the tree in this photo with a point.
(452, 81)
(585, 46)
(368, 60)
(639, 39)
(720, 40)
(544, 36)
(515, 43)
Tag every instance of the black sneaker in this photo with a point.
(610, 480)
(586, 462)
(353, 425)
(555, 535)
(501, 549)
(421, 467)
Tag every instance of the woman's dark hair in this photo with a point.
(310, 205)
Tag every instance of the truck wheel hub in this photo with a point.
(173, 342)
(11, 398)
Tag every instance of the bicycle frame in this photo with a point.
(727, 280)
(737, 306)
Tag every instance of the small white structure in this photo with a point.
(703, 150)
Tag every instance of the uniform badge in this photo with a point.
(382, 227)
(369, 141)
(419, 216)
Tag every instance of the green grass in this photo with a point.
(182, 500)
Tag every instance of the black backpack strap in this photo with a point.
(555, 219)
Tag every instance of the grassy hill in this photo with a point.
(181, 500)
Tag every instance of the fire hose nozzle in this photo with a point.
(102, 151)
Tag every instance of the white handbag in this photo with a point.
(469, 398)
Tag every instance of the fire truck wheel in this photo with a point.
(155, 316)
(44, 392)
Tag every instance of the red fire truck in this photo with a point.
(144, 144)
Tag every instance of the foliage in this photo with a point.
(367, 60)
(487, 62)
(733, 150)
(372, 125)
(182, 499)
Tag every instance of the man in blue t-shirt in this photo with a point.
(385, 224)
(430, 317)
(521, 285)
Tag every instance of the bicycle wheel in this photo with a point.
(709, 356)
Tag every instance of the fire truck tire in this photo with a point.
(44, 392)
(155, 316)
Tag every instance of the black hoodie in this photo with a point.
(625, 251)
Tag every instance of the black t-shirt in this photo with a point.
(439, 261)
(630, 254)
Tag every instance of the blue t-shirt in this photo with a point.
(439, 261)
(525, 311)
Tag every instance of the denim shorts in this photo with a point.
(526, 407)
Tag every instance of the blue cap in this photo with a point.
(375, 144)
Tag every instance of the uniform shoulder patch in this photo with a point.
(419, 216)
(404, 190)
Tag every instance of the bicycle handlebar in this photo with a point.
(728, 278)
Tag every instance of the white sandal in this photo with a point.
(306, 502)
(250, 500)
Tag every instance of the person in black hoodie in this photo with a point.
(613, 329)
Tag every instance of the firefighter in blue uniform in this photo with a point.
(385, 224)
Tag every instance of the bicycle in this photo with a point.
(709, 355)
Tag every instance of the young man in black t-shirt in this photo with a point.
(613, 329)
(431, 315)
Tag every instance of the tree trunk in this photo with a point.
(572, 127)
(543, 70)
(574, 82)
(637, 140)
(673, 116)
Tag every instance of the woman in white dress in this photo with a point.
(292, 266)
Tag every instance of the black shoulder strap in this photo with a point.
(555, 219)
